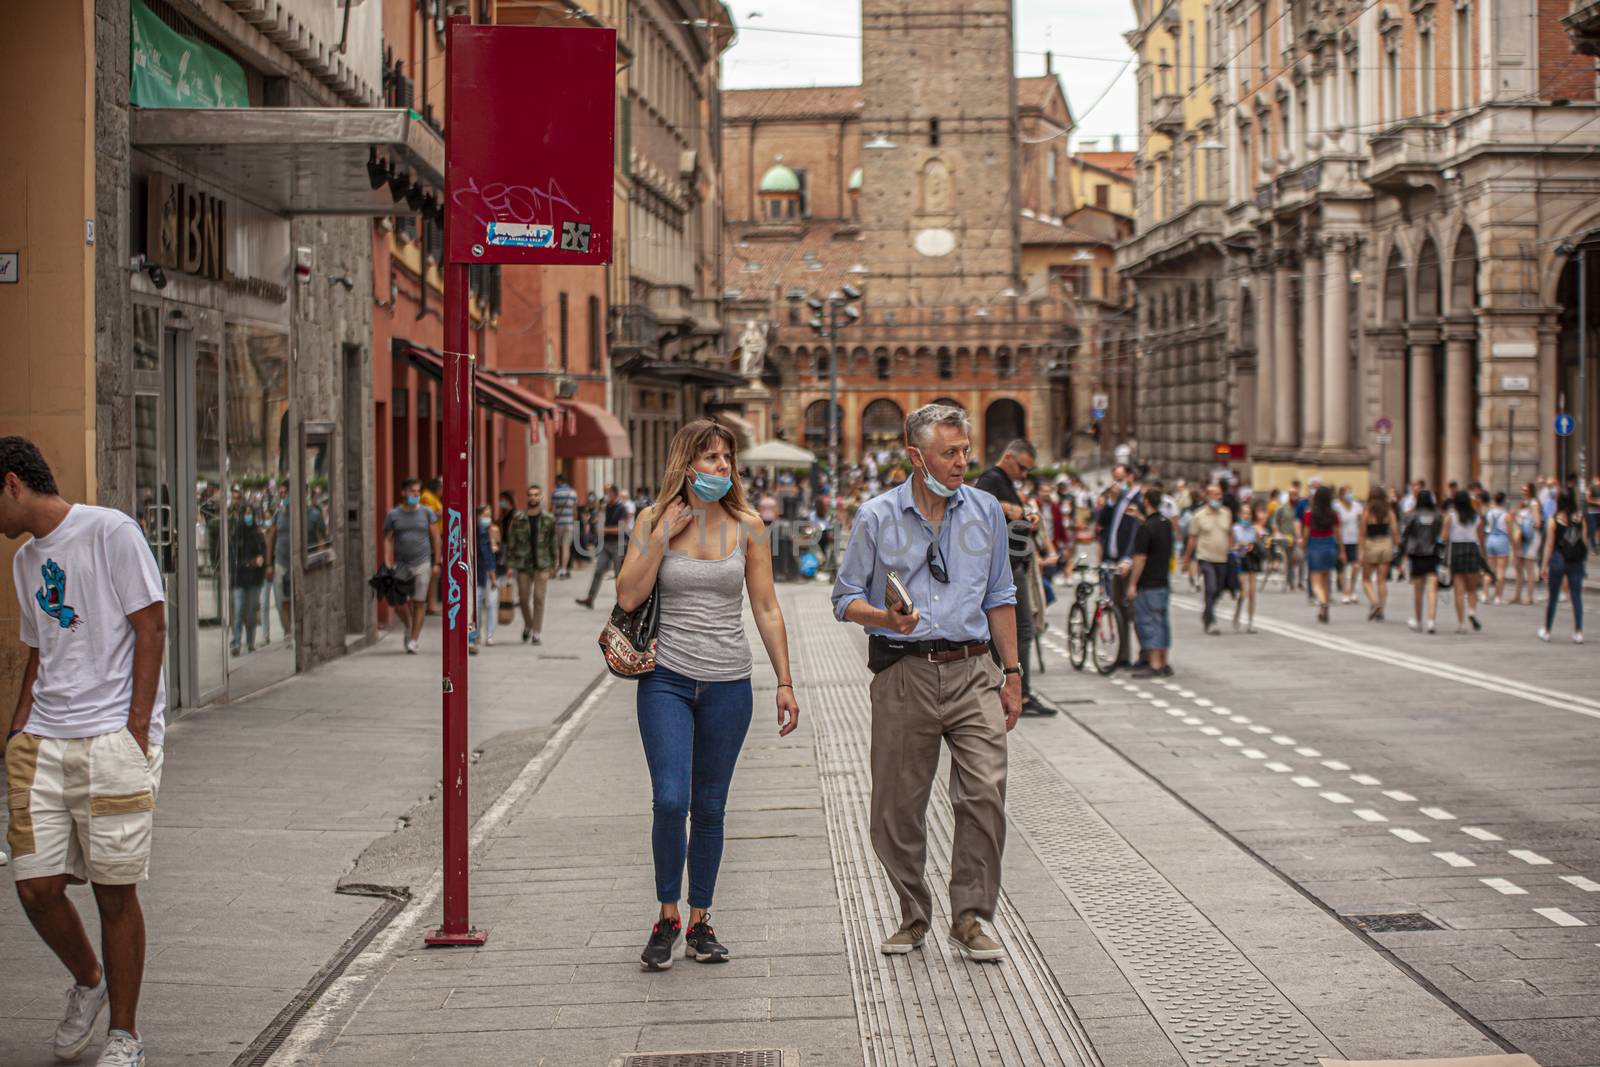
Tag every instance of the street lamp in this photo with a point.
(825, 323)
(880, 143)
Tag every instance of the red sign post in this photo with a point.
(529, 121)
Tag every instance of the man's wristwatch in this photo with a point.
(1017, 670)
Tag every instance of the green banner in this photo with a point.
(171, 70)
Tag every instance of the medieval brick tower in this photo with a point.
(939, 209)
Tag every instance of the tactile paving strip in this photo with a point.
(1211, 1000)
(931, 1007)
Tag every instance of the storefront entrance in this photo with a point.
(210, 460)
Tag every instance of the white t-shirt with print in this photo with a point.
(77, 588)
(1349, 521)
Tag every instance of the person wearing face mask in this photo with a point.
(945, 672)
(1116, 545)
(278, 549)
(614, 533)
(1349, 510)
(247, 563)
(412, 533)
(1209, 545)
(530, 547)
(1000, 481)
(486, 558)
(700, 550)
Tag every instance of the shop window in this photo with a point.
(563, 304)
(317, 476)
(594, 333)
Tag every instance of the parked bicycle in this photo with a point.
(1093, 622)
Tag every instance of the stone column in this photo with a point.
(1458, 408)
(1266, 429)
(1311, 384)
(1336, 346)
(1285, 434)
(1424, 456)
(1549, 388)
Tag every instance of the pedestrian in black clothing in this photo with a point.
(1117, 545)
(1147, 575)
(1000, 481)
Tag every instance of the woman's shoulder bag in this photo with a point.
(628, 641)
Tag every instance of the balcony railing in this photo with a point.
(1403, 152)
(634, 330)
(1166, 114)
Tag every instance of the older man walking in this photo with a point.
(936, 676)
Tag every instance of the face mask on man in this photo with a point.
(249, 519)
(412, 500)
(934, 485)
(484, 522)
(1213, 503)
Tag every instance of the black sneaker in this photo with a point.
(701, 943)
(1164, 672)
(657, 955)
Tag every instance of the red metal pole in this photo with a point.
(456, 585)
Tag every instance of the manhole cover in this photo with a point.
(766, 1057)
(1392, 922)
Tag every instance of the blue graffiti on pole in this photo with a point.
(456, 560)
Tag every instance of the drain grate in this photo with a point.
(1392, 922)
(765, 1057)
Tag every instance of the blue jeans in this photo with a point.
(1572, 574)
(692, 732)
(246, 612)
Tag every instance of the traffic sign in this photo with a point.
(1384, 425)
(1100, 401)
(1097, 413)
(1564, 425)
(1383, 438)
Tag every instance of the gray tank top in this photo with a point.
(701, 633)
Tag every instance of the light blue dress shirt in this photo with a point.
(891, 533)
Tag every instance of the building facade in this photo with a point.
(921, 188)
(214, 358)
(1400, 192)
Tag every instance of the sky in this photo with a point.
(818, 42)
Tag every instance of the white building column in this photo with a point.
(1336, 345)
(1459, 415)
(1285, 432)
(1311, 383)
(1423, 461)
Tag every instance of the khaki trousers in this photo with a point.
(531, 586)
(915, 705)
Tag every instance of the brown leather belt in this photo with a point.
(977, 648)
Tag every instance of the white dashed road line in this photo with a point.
(1505, 886)
(1530, 858)
(1454, 859)
(1559, 917)
(1581, 882)
(1477, 831)
(1436, 813)
(1411, 836)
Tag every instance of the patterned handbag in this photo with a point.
(629, 640)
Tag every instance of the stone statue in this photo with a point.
(752, 349)
(936, 191)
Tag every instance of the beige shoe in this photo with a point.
(969, 937)
(904, 940)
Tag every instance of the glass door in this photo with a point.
(177, 490)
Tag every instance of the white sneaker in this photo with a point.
(84, 1007)
(1411, 623)
(1577, 639)
(122, 1050)
(489, 641)
(1430, 626)
(1544, 635)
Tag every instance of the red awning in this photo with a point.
(592, 431)
(506, 397)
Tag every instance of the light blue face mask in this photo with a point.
(710, 487)
(934, 485)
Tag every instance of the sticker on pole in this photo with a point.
(520, 235)
(528, 164)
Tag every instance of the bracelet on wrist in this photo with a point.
(785, 685)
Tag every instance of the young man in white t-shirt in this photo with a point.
(84, 749)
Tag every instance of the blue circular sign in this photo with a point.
(1097, 413)
(1564, 425)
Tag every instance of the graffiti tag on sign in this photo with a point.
(455, 559)
(500, 202)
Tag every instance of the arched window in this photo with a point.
(1002, 363)
(883, 368)
(1005, 421)
(947, 368)
(816, 425)
(882, 425)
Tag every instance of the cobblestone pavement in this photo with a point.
(1172, 897)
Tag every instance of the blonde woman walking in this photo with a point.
(1376, 551)
(700, 548)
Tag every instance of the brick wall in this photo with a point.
(1563, 74)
